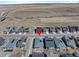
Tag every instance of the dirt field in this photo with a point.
(40, 15)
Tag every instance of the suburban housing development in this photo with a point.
(39, 30)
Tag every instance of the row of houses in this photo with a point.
(13, 30)
(53, 43)
(57, 29)
(10, 43)
(42, 30)
(59, 43)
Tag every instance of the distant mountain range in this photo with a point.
(35, 2)
(7, 2)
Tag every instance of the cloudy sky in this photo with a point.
(36, 1)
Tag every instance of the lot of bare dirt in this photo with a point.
(40, 15)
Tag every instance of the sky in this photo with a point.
(36, 1)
